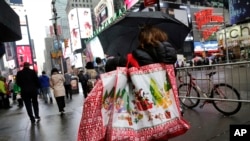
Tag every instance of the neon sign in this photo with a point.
(204, 17)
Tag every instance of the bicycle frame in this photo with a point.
(194, 84)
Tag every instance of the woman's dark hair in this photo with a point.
(54, 70)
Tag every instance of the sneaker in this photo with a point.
(38, 119)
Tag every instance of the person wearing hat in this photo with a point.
(29, 83)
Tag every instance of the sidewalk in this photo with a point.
(16, 126)
(207, 124)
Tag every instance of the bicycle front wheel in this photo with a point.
(225, 91)
(187, 91)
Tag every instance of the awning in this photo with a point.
(9, 24)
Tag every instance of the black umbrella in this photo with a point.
(121, 37)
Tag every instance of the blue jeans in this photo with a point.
(46, 93)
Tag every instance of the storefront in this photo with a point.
(237, 40)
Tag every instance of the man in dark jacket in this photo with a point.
(28, 80)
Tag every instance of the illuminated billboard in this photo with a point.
(80, 25)
(104, 11)
(94, 49)
(239, 11)
(85, 21)
(23, 54)
(74, 29)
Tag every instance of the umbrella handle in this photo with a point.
(132, 61)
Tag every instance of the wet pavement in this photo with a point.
(206, 124)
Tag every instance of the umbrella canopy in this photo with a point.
(121, 38)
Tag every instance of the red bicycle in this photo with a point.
(223, 96)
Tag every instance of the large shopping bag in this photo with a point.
(145, 105)
(97, 109)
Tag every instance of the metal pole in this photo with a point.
(225, 34)
(57, 36)
(31, 49)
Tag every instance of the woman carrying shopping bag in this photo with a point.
(144, 103)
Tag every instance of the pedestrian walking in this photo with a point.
(29, 83)
(57, 84)
(4, 92)
(17, 93)
(45, 87)
(100, 67)
(91, 76)
(67, 85)
(10, 87)
(153, 48)
(83, 80)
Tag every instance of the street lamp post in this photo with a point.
(56, 32)
(225, 34)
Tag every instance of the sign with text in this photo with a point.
(239, 132)
(204, 17)
(238, 35)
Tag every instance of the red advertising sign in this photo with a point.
(149, 2)
(204, 17)
(24, 55)
(130, 3)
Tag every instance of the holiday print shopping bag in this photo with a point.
(97, 108)
(145, 105)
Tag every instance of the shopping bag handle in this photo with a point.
(132, 61)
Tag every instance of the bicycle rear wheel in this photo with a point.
(188, 91)
(225, 91)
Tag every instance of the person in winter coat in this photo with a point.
(45, 87)
(28, 80)
(83, 80)
(153, 48)
(91, 76)
(100, 69)
(67, 85)
(4, 92)
(57, 84)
